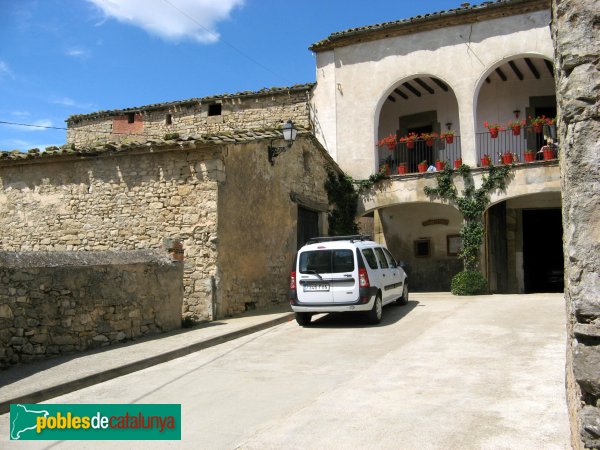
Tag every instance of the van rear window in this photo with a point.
(327, 261)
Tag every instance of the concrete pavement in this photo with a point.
(40, 381)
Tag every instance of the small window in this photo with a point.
(169, 119)
(130, 117)
(422, 248)
(214, 109)
(381, 257)
(370, 257)
(391, 260)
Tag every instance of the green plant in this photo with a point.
(469, 282)
(344, 199)
(170, 136)
(412, 137)
(423, 162)
(516, 123)
(428, 136)
(471, 204)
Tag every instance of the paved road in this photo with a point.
(441, 372)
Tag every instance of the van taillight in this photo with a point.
(293, 281)
(363, 278)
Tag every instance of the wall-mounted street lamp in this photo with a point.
(289, 136)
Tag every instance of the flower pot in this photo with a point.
(449, 138)
(493, 133)
(402, 168)
(507, 158)
(529, 156)
(410, 144)
(422, 168)
(385, 168)
(485, 161)
(391, 146)
(538, 129)
(516, 130)
(429, 142)
(549, 153)
(439, 165)
(457, 163)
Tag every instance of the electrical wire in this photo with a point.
(245, 55)
(148, 135)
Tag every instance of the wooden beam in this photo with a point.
(516, 70)
(411, 89)
(532, 68)
(501, 74)
(440, 83)
(391, 98)
(424, 85)
(550, 67)
(401, 94)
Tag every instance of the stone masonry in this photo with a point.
(242, 111)
(235, 214)
(576, 32)
(59, 302)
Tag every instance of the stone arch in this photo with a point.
(511, 89)
(420, 101)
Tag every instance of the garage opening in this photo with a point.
(543, 264)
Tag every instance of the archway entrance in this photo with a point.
(523, 246)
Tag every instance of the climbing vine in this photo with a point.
(471, 204)
(344, 198)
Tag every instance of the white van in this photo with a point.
(345, 273)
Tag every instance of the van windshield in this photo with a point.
(327, 261)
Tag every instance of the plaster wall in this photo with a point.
(531, 178)
(461, 56)
(403, 224)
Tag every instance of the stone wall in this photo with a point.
(192, 118)
(60, 302)
(121, 201)
(576, 35)
(258, 211)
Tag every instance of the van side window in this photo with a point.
(391, 260)
(381, 257)
(370, 257)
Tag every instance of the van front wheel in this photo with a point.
(303, 318)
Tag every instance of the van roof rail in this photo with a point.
(352, 238)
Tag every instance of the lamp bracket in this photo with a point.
(276, 151)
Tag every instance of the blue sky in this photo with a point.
(65, 57)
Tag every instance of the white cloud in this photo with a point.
(21, 113)
(5, 71)
(172, 19)
(67, 101)
(80, 53)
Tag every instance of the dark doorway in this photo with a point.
(548, 111)
(543, 265)
(497, 249)
(308, 225)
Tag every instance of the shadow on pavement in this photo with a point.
(391, 315)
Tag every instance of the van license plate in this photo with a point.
(311, 287)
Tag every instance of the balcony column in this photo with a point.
(467, 116)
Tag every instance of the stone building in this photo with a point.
(449, 71)
(209, 184)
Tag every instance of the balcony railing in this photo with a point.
(402, 159)
(514, 143)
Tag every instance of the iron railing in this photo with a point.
(404, 159)
(513, 143)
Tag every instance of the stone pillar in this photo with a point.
(576, 35)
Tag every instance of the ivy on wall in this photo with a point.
(471, 204)
(344, 199)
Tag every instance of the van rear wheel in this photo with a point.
(303, 318)
(374, 316)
